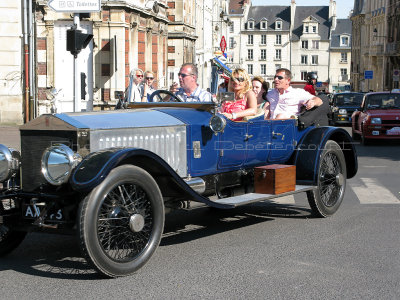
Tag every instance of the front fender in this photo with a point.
(95, 167)
(309, 151)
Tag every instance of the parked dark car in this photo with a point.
(378, 117)
(343, 105)
(109, 177)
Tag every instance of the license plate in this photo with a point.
(375, 132)
(33, 212)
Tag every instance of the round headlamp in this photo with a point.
(342, 111)
(58, 162)
(10, 160)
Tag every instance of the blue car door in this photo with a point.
(232, 145)
(282, 140)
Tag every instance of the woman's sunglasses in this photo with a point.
(149, 78)
(238, 79)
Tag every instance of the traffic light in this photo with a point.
(83, 86)
(76, 40)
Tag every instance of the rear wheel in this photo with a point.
(9, 239)
(121, 221)
(328, 196)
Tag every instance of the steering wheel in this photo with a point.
(164, 96)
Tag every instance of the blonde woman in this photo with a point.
(245, 103)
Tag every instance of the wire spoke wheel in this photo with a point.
(326, 199)
(121, 221)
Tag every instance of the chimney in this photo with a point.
(292, 14)
(332, 14)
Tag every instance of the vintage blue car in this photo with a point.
(111, 176)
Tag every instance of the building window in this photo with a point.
(303, 75)
(263, 69)
(278, 54)
(306, 28)
(263, 54)
(250, 54)
(278, 39)
(250, 69)
(314, 59)
(314, 29)
(304, 59)
(344, 41)
(231, 42)
(278, 66)
(343, 57)
(278, 25)
(315, 44)
(343, 71)
(263, 25)
(304, 44)
(250, 39)
(250, 25)
(231, 28)
(343, 75)
(263, 39)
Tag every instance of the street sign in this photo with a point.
(368, 74)
(222, 45)
(75, 6)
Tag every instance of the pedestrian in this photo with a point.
(311, 83)
(286, 101)
(137, 78)
(146, 88)
(189, 90)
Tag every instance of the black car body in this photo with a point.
(343, 105)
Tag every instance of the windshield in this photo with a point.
(383, 101)
(349, 99)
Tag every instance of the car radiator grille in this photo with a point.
(33, 144)
(391, 122)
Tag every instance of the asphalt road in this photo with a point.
(260, 251)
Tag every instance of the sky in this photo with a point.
(343, 7)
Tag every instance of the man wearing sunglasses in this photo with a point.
(146, 88)
(286, 101)
(190, 90)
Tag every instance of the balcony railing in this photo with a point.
(344, 77)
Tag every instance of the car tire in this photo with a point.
(121, 221)
(9, 239)
(331, 182)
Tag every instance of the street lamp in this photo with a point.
(375, 34)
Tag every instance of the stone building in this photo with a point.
(12, 79)
(340, 54)
(126, 35)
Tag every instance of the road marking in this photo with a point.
(285, 200)
(371, 192)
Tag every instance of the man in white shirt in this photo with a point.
(190, 91)
(286, 101)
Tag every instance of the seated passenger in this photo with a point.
(260, 89)
(245, 102)
(286, 101)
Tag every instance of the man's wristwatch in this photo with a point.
(233, 115)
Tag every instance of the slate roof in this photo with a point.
(321, 13)
(359, 7)
(342, 26)
(236, 7)
(271, 13)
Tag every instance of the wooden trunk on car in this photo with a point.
(274, 179)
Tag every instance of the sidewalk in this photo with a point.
(9, 136)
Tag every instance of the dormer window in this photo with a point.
(314, 29)
(263, 25)
(344, 41)
(306, 29)
(278, 25)
(250, 24)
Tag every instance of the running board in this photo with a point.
(255, 197)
